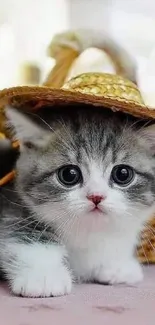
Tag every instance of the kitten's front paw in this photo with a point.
(30, 283)
(127, 272)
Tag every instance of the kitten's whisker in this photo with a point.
(41, 119)
(18, 222)
(18, 204)
(45, 229)
(26, 225)
(15, 191)
(139, 121)
(128, 127)
(150, 229)
(61, 122)
(56, 217)
(50, 127)
(69, 226)
(78, 226)
(35, 227)
(62, 225)
(143, 126)
(152, 246)
(141, 244)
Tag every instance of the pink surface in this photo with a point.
(87, 304)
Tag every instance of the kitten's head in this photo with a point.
(86, 171)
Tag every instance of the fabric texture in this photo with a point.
(87, 304)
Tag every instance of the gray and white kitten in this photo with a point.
(85, 188)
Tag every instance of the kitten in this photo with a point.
(85, 188)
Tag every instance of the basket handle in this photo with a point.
(66, 47)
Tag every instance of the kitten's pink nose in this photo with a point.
(96, 199)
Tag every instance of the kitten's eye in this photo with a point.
(69, 175)
(122, 175)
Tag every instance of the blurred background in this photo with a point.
(27, 27)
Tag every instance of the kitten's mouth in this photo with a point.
(96, 209)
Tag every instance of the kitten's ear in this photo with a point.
(28, 132)
(148, 134)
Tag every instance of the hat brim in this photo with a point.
(35, 97)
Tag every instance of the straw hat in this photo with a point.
(117, 92)
(97, 89)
